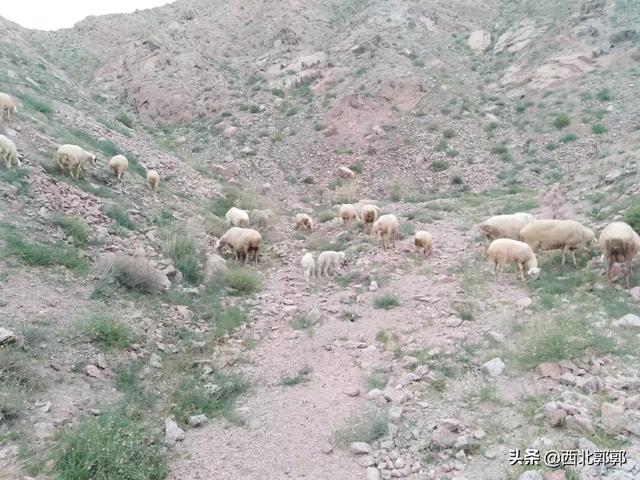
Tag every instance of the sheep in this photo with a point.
(308, 265)
(328, 262)
(348, 213)
(243, 241)
(304, 222)
(369, 215)
(153, 179)
(70, 156)
(567, 235)
(9, 152)
(505, 250)
(7, 107)
(386, 228)
(118, 165)
(424, 242)
(619, 243)
(504, 226)
(237, 217)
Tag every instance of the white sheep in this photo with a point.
(304, 222)
(329, 261)
(243, 241)
(9, 152)
(118, 165)
(369, 216)
(567, 235)
(423, 241)
(72, 156)
(505, 250)
(619, 243)
(386, 229)
(153, 179)
(504, 226)
(308, 265)
(348, 214)
(237, 217)
(7, 107)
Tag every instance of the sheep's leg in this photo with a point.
(496, 269)
(573, 256)
(564, 251)
(520, 268)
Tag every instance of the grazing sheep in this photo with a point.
(386, 229)
(348, 214)
(504, 226)
(424, 242)
(308, 265)
(9, 152)
(369, 216)
(329, 261)
(304, 222)
(567, 235)
(118, 165)
(619, 243)
(243, 241)
(505, 250)
(72, 156)
(7, 107)
(237, 217)
(153, 179)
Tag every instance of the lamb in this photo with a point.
(504, 226)
(505, 250)
(386, 229)
(9, 152)
(348, 213)
(243, 241)
(153, 179)
(304, 221)
(118, 165)
(424, 242)
(70, 156)
(237, 217)
(7, 107)
(308, 265)
(369, 215)
(567, 235)
(328, 262)
(619, 243)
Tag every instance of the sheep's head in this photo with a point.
(93, 159)
(534, 273)
(343, 259)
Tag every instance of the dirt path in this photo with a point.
(289, 428)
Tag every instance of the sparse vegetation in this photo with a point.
(121, 217)
(17, 178)
(301, 377)
(181, 246)
(38, 105)
(106, 331)
(75, 227)
(368, 427)
(386, 301)
(44, 255)
(569, 137)
(598, 129)
(561, 120)
(242, 280)
(439, 165)
(125, 119)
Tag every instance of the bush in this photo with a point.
(278, 92)
(599, 129)
(108, 332)
(457, 180)
(396, 190)
(121, 217)
(369, 427)
(38, 105)
(449, 133)
(44, 255)
(75, 227)
(16, 177)
(562, 120)
(125, 119)
(386, 301)
(194, 398)
(183, 250)
(604, 95)
(551, 146)
(229, 320)
(242, 280)
(111, 446)
(356, 167)
(632, 217)
(439, 165)
(12, 401)
(499, 149)
(326, 215)
(569, 137)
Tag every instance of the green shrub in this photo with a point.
(125, 119)
(326, 215)
(369, 427)
(121, 217)
(561, 120)
(278, 92)
(551, 146)
(111, 446)
(183, 250)
(499, 149)
(16, 177)
(229, 319)
(243, 280)
(75, 227)
(38, 105)
(569, 137)
(194, 398)
(44, 255)
(386, 301)
(604, 95)
(599, 129)
(449, 133)
(108, 332)
(632, 217)
(457, 180)
(439, 165)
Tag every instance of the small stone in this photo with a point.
(46, 408)
(399, 463)
(327, 449)
(92, 371)
(346, 172)
(409, 362)
(360, 448)
(101, 362)
(494, 367)
(229, 131)
(397, 397)
(568, 378)
(395, 413)
(374, 394)
(453, 322)
(629, 320)
(557, 475)
(531, 475)
(172, 432)
(496, 337)
(366, 461)
(352, 391)
(550, 370)
(6, 336)
(523, 302)
(613, 417)
(197, 420)
(557, 419)
(373, 286)
(155, 361)
(373, 473)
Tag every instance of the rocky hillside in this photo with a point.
(440, 112)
